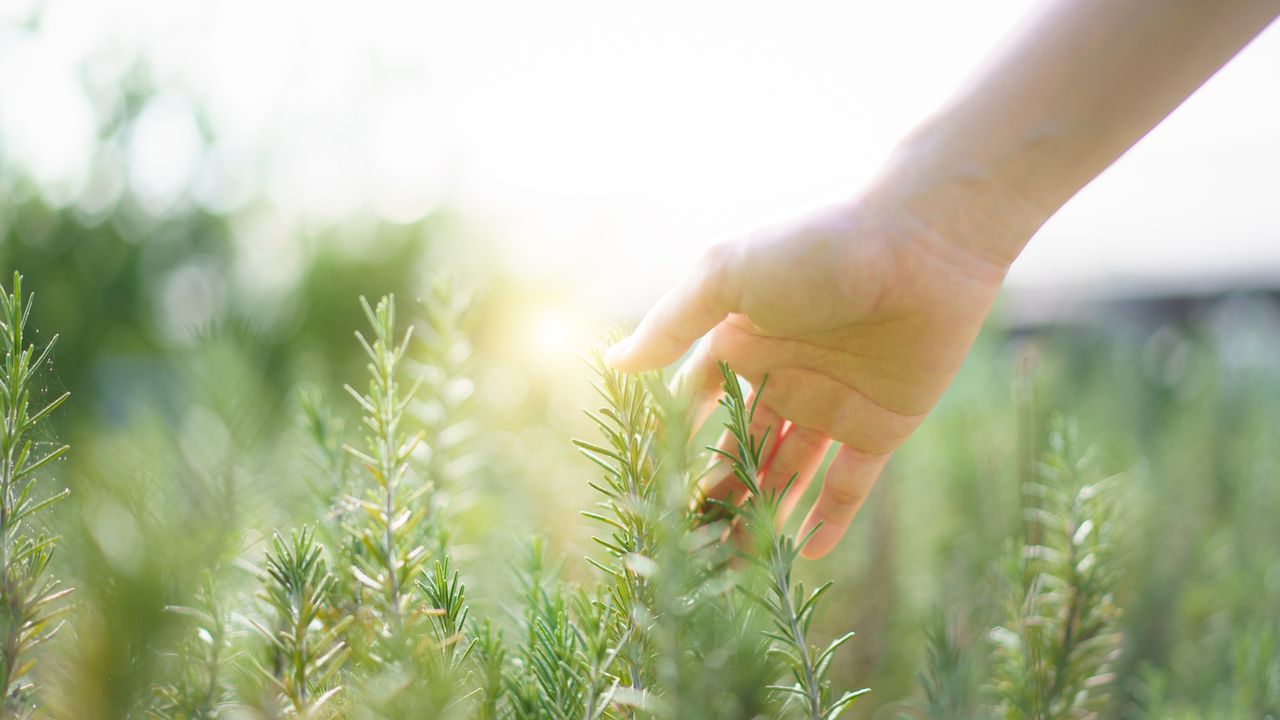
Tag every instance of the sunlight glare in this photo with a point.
(552, 333)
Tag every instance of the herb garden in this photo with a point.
(687, 609)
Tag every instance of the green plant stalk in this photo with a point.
(394, 516)
(1055, 649)
(760, 510)
(491, 659)
(442, 361)
(630, 507)
(791, 610)
(946, 678)
(198, 692)
(307, 656)
(26, 593)
(693, 587)
(447, 599)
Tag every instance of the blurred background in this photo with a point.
(199, 191)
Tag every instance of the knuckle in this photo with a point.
(716, 270)
(845, 495)
(803, 439)
(665, 334)
(715, 257)
(726, 345)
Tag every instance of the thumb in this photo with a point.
(687, 312)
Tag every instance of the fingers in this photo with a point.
(848, 480)
(812, 399)
(799, 454)
(686, 313)
(724, 485)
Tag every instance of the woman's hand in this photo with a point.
(861, 315)
(858, 316)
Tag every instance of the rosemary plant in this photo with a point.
(441, 360)
(548, 683)
(669, 628)
(28, 595)
(710, 651)
(947, 677)
(1054, 653)
(629, 509)
(199, 690)
(339, 521)
(414, 657)
(674, 616)
(788, 606)
(393, 554)
(304, 656)
(327, 456)
(490, 653)
(447, 606)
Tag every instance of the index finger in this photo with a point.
(684, 314)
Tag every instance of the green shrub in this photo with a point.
(29, 596)
(362, 610)
(1053, 653)
(367, 617)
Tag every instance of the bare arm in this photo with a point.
(1061, 101)
(861, 314)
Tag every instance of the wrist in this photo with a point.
(964, 199)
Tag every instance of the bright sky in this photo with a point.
(602, 143)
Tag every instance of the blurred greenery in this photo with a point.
(188, 450)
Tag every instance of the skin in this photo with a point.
(861, 314)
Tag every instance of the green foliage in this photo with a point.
(408, 605)
(1055, 651)
(710, 650)
(490, 652)
(630, 510)
(789, 607)
(392, 556)
(447, 607)
(365, 612)
(29, 596)
(199, 692)
(303, 655)
(1185, 400)
(441, 361)
(947, 679)
(327, 456)
(564, 661)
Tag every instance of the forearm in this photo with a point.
(1083, 82)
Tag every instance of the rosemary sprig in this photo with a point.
(789, 607)
(629, 510)
(199, 690)
(304, 656)
(1054, 653)
(29, 607)
(393, 557)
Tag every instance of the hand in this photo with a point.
(859, 317)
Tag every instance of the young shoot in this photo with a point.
(393, 555)
(789, 607)
(199, 689)
(29, 608)
(629, 508)
(304, 655)
(1054, 653)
